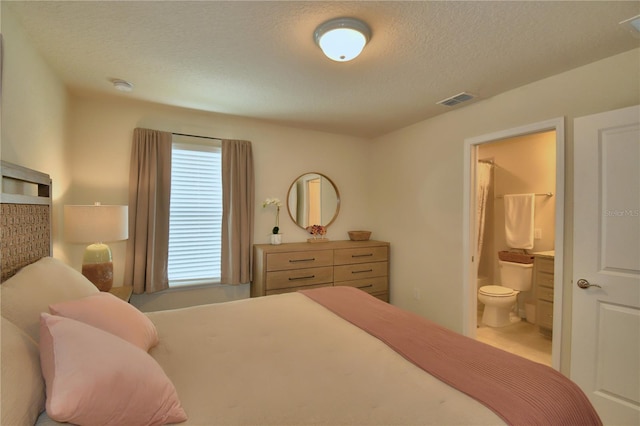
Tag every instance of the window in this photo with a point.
(195, 216)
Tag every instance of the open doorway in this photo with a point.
(513, 158)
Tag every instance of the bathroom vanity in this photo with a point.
(543, 281)
(294, 266)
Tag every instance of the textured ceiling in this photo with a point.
(258, 59)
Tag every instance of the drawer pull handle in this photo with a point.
(360, 272)
(366, 286)
(362, 255)
(311, 259)
(302, 278)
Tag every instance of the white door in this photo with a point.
(605, 343)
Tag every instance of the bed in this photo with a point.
(327, 356)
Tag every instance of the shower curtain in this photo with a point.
(483, 180)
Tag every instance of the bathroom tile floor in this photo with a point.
(521, 338)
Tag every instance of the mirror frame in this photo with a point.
(335, 215)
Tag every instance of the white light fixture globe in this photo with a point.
(342, 39)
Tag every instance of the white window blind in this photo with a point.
(195, 217)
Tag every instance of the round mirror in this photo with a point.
(313, 199)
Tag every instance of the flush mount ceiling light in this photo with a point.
(342, 39)
(123, 86)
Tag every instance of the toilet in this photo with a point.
(499, 300)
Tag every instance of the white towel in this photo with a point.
(518, 220)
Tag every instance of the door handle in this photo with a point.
(582, 283)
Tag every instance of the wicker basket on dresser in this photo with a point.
(294, 266)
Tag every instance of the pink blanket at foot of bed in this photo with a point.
(520, 391)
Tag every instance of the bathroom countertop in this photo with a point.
(549, 253)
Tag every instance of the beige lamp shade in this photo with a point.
(96, 224)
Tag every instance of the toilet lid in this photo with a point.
(496, 290)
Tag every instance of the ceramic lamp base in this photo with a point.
(100, 274)
(97, 266)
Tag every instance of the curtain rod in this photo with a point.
(196, 136)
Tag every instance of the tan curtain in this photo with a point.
(237, 211)
(149, 197)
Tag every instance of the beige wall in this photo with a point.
(100, 133)
(424, 221)
(34, 114)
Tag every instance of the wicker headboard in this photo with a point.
(25, 218)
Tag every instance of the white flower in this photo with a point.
(272, 201)
(275, 202)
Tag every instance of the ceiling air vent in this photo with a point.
(457, 99)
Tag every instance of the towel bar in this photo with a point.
(546, 194)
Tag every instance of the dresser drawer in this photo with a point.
(299, 277)
(370, 285)
(360, 271)
(293, 289)
(299, 260)
(545, 293)
(544, 279)
(361, 255)
(545, 314)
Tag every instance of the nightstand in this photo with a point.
(123, 292)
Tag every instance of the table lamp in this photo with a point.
(96, 224)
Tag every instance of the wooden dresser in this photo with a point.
(543, 276)
(294, 266)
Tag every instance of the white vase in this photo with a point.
(276, 239)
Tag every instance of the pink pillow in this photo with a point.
(94, 377)
(109, 313)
